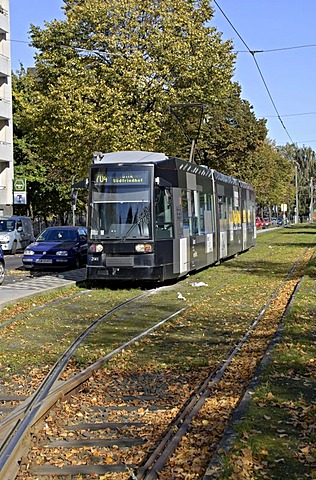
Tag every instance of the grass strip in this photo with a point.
(277, 437)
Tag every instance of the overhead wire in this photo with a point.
(253, 53)
(280, 49)
(291, 114)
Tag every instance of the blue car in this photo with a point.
(2, 266)
(57, 247)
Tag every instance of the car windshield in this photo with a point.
(7, 225)
(57, 235)
(121, 203)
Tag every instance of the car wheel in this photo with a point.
(1, 273)
(14, 245)
(78, 263)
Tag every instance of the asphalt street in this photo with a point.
(20, 283)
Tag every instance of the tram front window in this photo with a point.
(121, 210)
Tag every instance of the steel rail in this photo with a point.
(11, 447)
(47, 394)
(178, 428)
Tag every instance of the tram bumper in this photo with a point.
(129, 267)
(124, 273)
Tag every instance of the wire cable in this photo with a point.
(281, 49)
(253, 53)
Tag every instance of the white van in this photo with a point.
(16, 233)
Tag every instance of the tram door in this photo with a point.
(223, 222)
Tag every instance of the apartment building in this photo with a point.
(6, 125)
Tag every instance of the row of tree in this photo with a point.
(147, 75)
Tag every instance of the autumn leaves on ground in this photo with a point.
(276, 438)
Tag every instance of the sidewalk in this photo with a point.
(12, 292)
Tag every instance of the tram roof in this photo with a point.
(129, 157)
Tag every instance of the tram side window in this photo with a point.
(196, 219)
(163, 206)
(250, 209)
(202, 212)
(223, 212)
(236, 211)
(186, 211)
(192, 211)
(206, 213)
(230, 212)
(209, 214)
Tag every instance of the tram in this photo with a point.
(154, 217)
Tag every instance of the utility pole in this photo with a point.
(193, 141)
(311, 208)
(296, 195)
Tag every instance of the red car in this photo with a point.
(265, 222)
(259, 222)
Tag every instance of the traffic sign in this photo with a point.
(19, 185)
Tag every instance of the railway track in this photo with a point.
(127, 425)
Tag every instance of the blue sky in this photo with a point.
(22, 14)
(289, 74)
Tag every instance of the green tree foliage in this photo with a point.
(112, 75)
(305, 160)
(232, 135)
(106, 76)
(271, 175)
(44, 196)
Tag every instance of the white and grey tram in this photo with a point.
(155, 217)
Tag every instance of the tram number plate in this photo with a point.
(44, 260)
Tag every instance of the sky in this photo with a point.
(281, 87)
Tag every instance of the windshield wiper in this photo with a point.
(142, 217)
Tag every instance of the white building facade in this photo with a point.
(6, 123)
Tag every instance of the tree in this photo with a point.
(272, 176)
(232, 135)
(106, 76)
(305, 160)
(40, 193)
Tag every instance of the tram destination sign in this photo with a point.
(135, 177)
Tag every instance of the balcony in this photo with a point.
(4, 20)
(6, 152)
(4, 66)
(5, 109)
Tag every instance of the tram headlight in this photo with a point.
(143, 248)
(96, 248)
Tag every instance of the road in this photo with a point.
(13, 262)
(15, 272)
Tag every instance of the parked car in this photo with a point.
(16, 233)
(258, 222)
(265, 223)
(57, 247)
(2, 266)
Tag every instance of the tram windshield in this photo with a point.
(120, 205)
